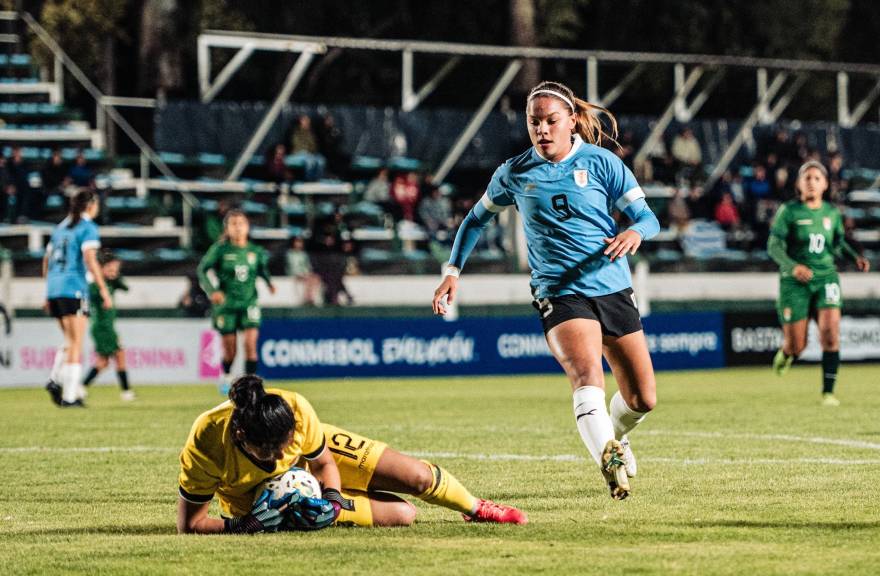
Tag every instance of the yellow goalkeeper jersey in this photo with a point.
(212, 464)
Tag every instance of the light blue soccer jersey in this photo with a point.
(566, 209)
(66, 277)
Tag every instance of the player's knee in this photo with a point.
(829, 340)
(588, 377)
(421, 479)
(399, 513)
(406, 513)
(645, 402)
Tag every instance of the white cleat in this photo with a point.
(629, 459)
(614, 470)
(127, 396)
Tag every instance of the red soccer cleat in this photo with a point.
(488, 511)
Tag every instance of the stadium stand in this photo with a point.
(331, 177)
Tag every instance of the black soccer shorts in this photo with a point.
(616, 313)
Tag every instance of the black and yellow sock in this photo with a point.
(830, 364)
(122, 375)
(447, 491)
(93, 373)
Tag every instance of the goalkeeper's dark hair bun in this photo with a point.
(266, 420)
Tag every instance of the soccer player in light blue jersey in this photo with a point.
(71, 252)
(566, 189)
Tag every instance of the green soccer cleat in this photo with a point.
(781, 362)
(614, 470)
(828, 399)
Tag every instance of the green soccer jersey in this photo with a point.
(102, 319)
(812, 237)
(236, 269)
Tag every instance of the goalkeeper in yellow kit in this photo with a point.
(233, 448)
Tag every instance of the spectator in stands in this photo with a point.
(435, 212)
(329, 247)
(6, 192)
(726, 212)
(194, 302)
(838, 185)
(661, 164)
(782, 189)
(330, 145)
(304, 147)
(698, 203)
(21, 195)
(405, 192)
(678, 211)
(782, 147)
(299, 268)
(756, 188)
(54, 173)
(276, 169)
(379, 190)
(802, 148)
(80, 174)
(687, 153)
(626, 150)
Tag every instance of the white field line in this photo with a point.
(768, 437)
(848, 443)
(481, 457)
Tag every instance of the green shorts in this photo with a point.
(796, 300)
(106, 342)
(229, 320)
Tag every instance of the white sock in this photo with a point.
(592, 420)
(72, 376)
(55, 374)
(623, 417)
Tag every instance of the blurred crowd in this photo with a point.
(25, 185)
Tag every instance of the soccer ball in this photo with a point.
(294, 479)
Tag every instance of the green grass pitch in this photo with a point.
(740, 472)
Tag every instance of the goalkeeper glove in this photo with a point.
(318, 513)
(265, 516)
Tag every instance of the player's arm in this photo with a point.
(192, 518)
(629, 198)
(324, 468)
(777, 249)
(90, 256)
(263, 270)
(495, 200)
(209, 262)
(644, 227)
(469, 232)
(842, 248)
(45, 266)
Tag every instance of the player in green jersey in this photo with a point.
(805, 238)
(236, 264)
(103, 331)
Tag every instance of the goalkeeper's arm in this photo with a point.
(192, 518)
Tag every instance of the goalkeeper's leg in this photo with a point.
(396, 472)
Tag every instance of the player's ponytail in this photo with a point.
(79, 204)
(588, 123)
(265, 420)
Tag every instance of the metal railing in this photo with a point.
(107, 107)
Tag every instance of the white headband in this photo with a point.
(559, 95)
